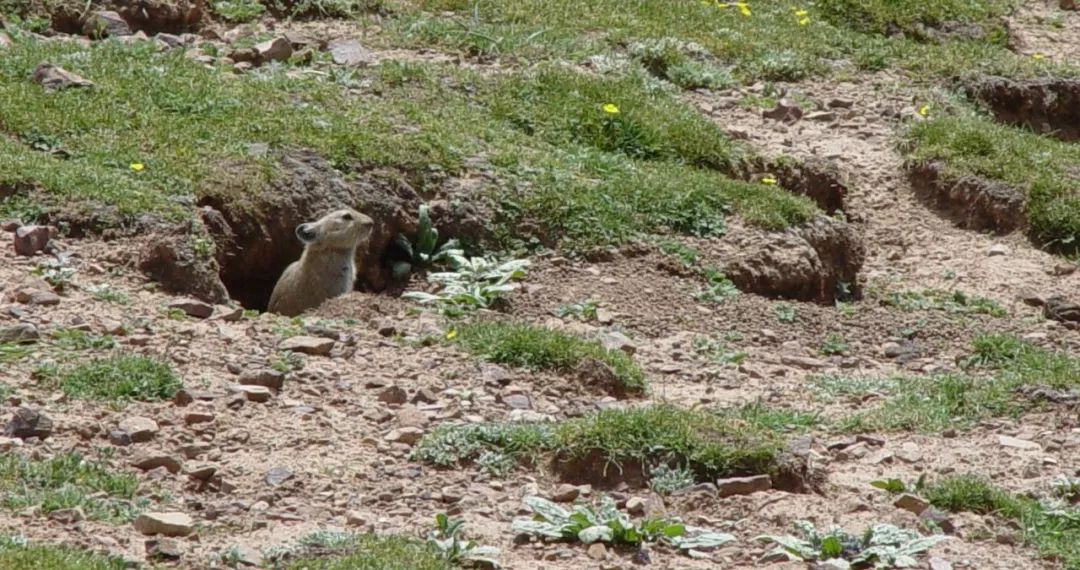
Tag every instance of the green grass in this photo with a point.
(74, 339)
(710, 443)
(119, 378)
(537, 348)
(838, 34)
(1040, 167)
(12, 352)
(369, 552)
(67, 481)
(565, 172)
(20, 555)
(1054, 531)
(998, 366)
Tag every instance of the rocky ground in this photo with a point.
(287, 427)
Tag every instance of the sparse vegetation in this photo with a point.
(366, 552)
(426, 250)
(75, 339)
(538, 348)
(67, 481)
(583, 311)
(19, 554)
(880, 546)
(833, 344)
(119, 378)
(711, 444)
(473, 283)
(949, 301)
(718, 288)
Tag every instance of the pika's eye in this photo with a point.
(347, 217)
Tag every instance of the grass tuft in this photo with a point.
(20, 555)
(119, 378)
(538, 348)
(369, 552)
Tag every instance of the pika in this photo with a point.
(327, 268)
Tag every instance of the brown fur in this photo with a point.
(327, 267)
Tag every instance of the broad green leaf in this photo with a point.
(595, 534)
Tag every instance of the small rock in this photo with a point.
(5, 41)
(998, 249)
(394, 395)
(839, 103)
(618, 341)
(26, 423)
(517, 401)
(804, 362)
(67, 516)
(139, 428)
(1060, 309)
(193, 308)
(566, 493)
(266, 377)
(227, 314)
(9, 225)
(1069, 5)
(409, 416)
(350, 53)
(635, 506)
(604, 316)
(30, 296)
(277, 49)
(425, 396)
(786, 111)
(355, 518)
(931, 515)
(892, 349)
(257, 394)
(18, 334)
(119, 438)
(248, 556)
(911, 503)
(1031, 298)
(406, 435)
(278, 475)
(31, 239)
(940, 564)
(169, 40)
(202, 472)
(743, 485)
(1016, 443)
(824, 116)
(164, 549)
(105, 24)
(198, 417)
(54, 78)
(148, 460)
(308, 345)
(165, 524)
(1063, 269)
(597, 551)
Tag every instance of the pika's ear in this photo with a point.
(305, 233)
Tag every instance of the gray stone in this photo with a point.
(394, 395)
(193, 308)
(139, 428)
(308, 345)
(804, 362)
(786, 111)
(31, 239)
(265, 377)
(615, 340)
(350, 53)
(54, 78)
(406, 435)
(277, 49)
(911, 503)
(148, 460)
(105, 24)
(258, 394)
(276, 476)
(18, 334)
(26, 423)
(1016, 443)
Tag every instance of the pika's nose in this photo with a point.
(305, 232)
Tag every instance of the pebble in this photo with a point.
(277, 476)
(139, 428)
(253, 393)
(911, 503)
(192, 308)
(998, 249)
(265, 377)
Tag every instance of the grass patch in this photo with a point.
(818, 38)
(1041, 167)
(369, 552)
(955, 301)
(18, 554)
(75, 339)
(711, 444)
(565, 171)
(67, 481)
(537, 348)
(10, 352)
(934, 403)
(118, 378)
(1052, 529)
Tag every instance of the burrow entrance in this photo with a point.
(1046, 106)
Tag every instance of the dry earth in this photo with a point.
(331, 426)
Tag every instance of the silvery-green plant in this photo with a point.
(426, 250)
(880, 546)
(606, 523)
(447, 538)
(474, 283)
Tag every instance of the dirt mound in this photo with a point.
(1049, 106)
(816, 262)
(150, 16)
(971, 202)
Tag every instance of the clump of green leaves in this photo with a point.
(75, 339)
(10, 352)
(474, 283)
(110, 295)
(785, 312)
(426, 251)
(447, 537)
(683, 63)
(718, 288)
(584, 311)
(238, 11)
(495, 447)
(880, 546)
(897, 486)
(60, 278)
(605, 523)
(717, 351)
(539, 348)
(328, 550)
(834, 344)
(665, 480)
(119, 378)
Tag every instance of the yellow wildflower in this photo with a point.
(924, 110)
(452, 334)
(611, 108)
(804, 21)
(1037, 56)
(136, 166)
(744, 8)
(801, 13)
(768, 180)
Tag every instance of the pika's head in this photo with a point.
(341, 229)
